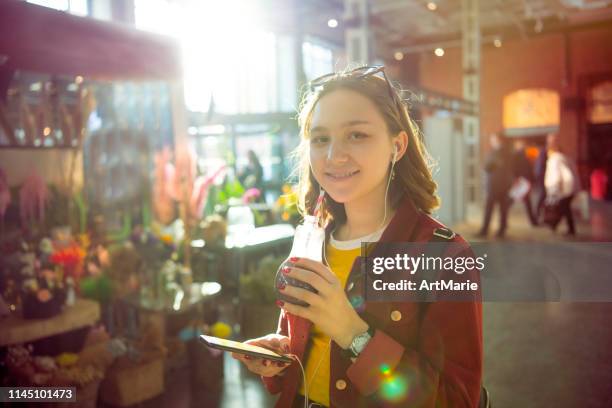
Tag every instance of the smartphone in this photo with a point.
(242, 348)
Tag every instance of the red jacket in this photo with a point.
(438, 362)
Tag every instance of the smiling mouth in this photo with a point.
(342, 176)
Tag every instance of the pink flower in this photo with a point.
(93, 269)
(251, 195)
(103, 256)
(163, 205)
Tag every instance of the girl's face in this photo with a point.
(350, 147)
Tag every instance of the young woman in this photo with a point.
(360, 146)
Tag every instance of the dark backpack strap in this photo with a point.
(439, 235)
(442, 235)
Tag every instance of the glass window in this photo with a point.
(318, 59)
(78, 7)
(212, 152)
(230, 63)
(54, 4)
(287, 73)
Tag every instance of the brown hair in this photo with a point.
(413, 169)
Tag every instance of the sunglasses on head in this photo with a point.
(357, 73)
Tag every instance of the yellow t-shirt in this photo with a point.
(340, 262)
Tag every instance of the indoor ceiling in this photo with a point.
(411, 25)
(418, 25)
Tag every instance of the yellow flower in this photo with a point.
(291, 199)
(67, 359)
(84, 240)
(166, 239)
(221, 330)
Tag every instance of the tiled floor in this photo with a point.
(536, 354)
(549, 354)
(240, 389)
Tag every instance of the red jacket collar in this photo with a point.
(403, 224)
(401, 227)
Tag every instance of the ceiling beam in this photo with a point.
(508, 32)
(517, 22)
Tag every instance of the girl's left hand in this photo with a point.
(329, 309)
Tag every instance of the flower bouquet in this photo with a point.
(43, 296)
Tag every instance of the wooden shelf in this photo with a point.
(15, 330)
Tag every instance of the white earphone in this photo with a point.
(391, 176)
(395, 153)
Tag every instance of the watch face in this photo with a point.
(360, 341)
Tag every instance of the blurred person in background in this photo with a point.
(498, 180)
(252, 175)
(540, 170)
(561, 182)
(523, 169)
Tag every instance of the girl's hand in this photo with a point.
(261, 366)
(329, 309)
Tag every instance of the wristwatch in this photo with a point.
(359, 343)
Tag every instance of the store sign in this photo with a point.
(600, 106)
(531, 108)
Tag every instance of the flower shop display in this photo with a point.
(125, 270)
(84, 370)
(36, 278)
(30, 287)
(96, 283)
(43, 296)
(69, 260)
(137, 372)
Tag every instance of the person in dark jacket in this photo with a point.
(498, 180)
(252, 175)
(524, 169)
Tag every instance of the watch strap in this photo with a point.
(348, 352)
